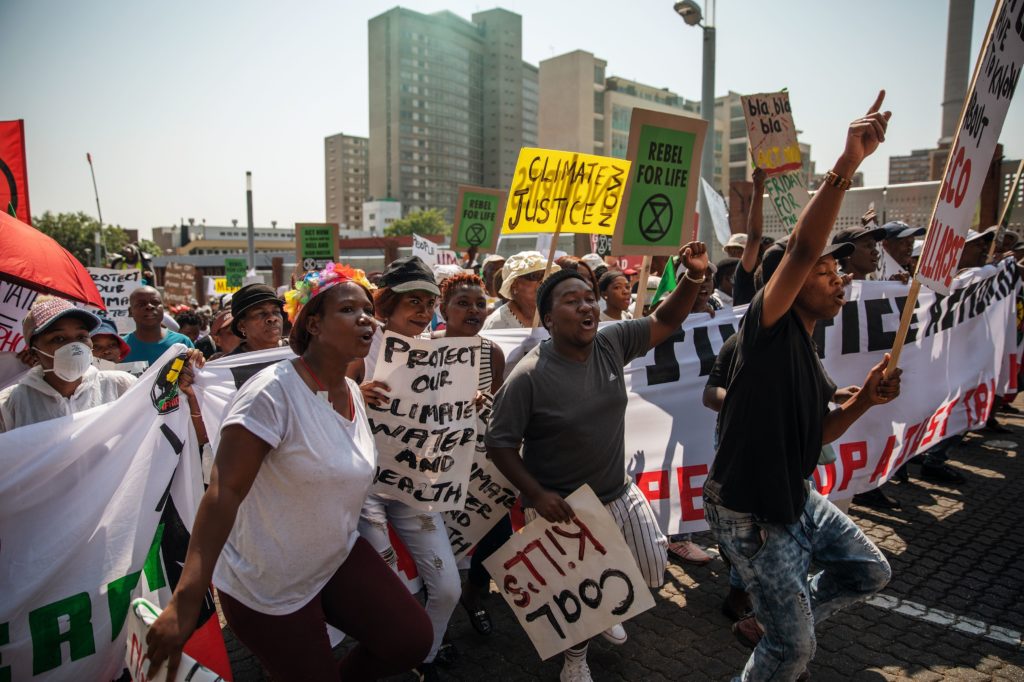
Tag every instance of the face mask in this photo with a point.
(70, 361)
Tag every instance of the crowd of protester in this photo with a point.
(281, 578)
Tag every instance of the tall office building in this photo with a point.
(451, 102)
(583, 110)
(346, 185)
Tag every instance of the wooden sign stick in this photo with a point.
(1004, 216)
(641, 290)
(553, 248)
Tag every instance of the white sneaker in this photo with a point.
(575, 670)
(616, 634)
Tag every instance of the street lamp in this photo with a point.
(691, 13)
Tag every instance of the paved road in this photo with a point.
(953, 611)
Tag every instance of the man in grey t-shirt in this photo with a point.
(565, 405)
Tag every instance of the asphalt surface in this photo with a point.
(954, 609)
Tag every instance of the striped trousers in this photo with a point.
(635, 519)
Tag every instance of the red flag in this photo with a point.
(14, 170)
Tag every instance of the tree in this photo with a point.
(150, 247)
(75, 232)
(422, 223)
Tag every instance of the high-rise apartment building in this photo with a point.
(346, 184)
(583, 110)
(914, 167)
(451, 102)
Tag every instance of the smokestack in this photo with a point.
(958, 66)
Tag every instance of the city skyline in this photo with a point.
(175, 108)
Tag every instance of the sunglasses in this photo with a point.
(533, 276)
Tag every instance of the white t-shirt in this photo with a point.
(298, 522)
(502, 318)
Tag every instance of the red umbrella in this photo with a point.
(32, 259)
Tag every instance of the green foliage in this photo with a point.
(75, 232)
(150, 247)
(421, 222)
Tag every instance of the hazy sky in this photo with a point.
(175, 101)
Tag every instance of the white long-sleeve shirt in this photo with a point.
(32, 400)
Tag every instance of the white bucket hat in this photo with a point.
(522, 263)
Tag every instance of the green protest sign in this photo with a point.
(234, 271)
(478, 217)
(662, 189)
(316, 245)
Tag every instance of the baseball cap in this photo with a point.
(46, 310)
(409, 274)
(973, 235)
(107, 327)
(897, 229)
(851, 234)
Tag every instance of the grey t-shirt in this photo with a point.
(569, 416)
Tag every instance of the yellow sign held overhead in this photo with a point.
(554, 191)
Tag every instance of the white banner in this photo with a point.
(718, 210)
(567, 582)
(115, 287)
(985, 106)
(426, 434)
(963, 351)
(78, 527)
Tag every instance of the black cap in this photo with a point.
(897, 229)
(409, 274)
(773, 256)
(851, 234)
(247, 297)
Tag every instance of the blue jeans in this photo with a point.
(773, 560)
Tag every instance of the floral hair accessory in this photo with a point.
(317, 282)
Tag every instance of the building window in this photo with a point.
(598, 102)
(738, 151)
(598, 74)
(737, 173)
(598, 131)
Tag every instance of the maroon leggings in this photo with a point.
(365, 600)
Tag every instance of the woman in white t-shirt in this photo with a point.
(277, 528)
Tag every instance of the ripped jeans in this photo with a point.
(773, 559)
(424, 535)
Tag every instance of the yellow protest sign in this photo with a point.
(556, 191)
(220, 286)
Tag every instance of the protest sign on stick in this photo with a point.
(426, 433)
(478, 217)
(234, 272)
(567, 582)
(662, 192)
(552, 189)
(775, 150)
(316, 245)
(116, 287)
(995, 78)
(179, 283)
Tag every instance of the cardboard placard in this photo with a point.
(179, 283)
(234, 272)
(775, 150)
(15, 301)
(116, 287)
(431, 254)
(478, 218)
(555, 191)
(567, 582)
(489, 498)
(426, 435)
(662, 191)
(316, 245)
